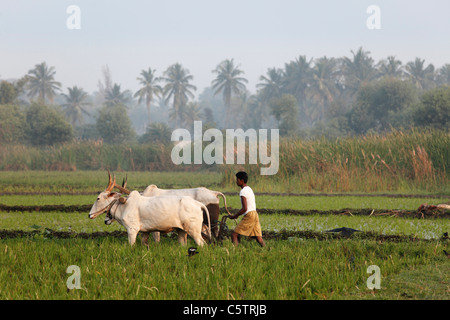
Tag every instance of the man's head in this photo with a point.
(241, 178)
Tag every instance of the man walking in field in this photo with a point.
(249, 225)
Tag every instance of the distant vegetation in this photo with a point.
(346, 123)
(412, 161)
(397, 161)
(307, 97)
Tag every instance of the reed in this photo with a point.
(416, 160)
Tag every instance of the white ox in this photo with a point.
(210, 198)
(153, 214)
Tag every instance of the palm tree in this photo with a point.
(297, 77)
(228, 81)
(421, 77)
(74, 108)
(178, 88)
(390, 68)
(323, 85)
(257, 111)
(157, 133)
(41, 82)
(190, 113)
(357, 70)
(149, 89)
(115, 96)
(444, 75)
(271, 85)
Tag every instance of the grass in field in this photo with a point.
(35, 268)
(79, 222)
(423, 282)
(424, 229)
(321, 203)
(96, 181)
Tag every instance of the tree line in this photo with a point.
(307, 98)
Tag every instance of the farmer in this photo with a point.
(249, 225)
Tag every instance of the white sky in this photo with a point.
(133, 35)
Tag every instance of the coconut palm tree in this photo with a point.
(178, 88)
(228, 82)
(271, 84)
(115, 96)
(390, 67)
(358, 70)
(157, 133)
(150, 88)
(444, 75)
(191, 112)
(41, 83)
(420, 76)
(323, 85)
(297, 77)
(75, 107)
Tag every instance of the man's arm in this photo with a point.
(243, 209)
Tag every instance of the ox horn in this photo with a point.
(111, 183)
(123, 188)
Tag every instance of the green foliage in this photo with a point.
(377, 102)
(114, 125)
(41, 83)
(158, 133)
(7, 93)
(47, 126)
(285, 110)
(13, 125)
(434, 109)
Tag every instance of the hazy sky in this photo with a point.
(133, 35)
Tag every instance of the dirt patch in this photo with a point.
(422, 214)
(384, 195)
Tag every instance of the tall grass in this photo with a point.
(416, 160)
(90, 155)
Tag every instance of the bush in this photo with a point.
(13, 126)
(377, 105)
(434, 109)
(114, 125)
(46, 126)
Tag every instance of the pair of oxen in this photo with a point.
(194, 212)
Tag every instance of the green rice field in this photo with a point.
(300, 260)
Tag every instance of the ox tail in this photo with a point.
(224, 200)
(205, 209)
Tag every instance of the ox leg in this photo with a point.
(132, 234)
(214, 213)
(198, 239)
(145, 236)
(195, 232)
(157, 236)
(182, 237)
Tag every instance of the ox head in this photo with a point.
(107, 198)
